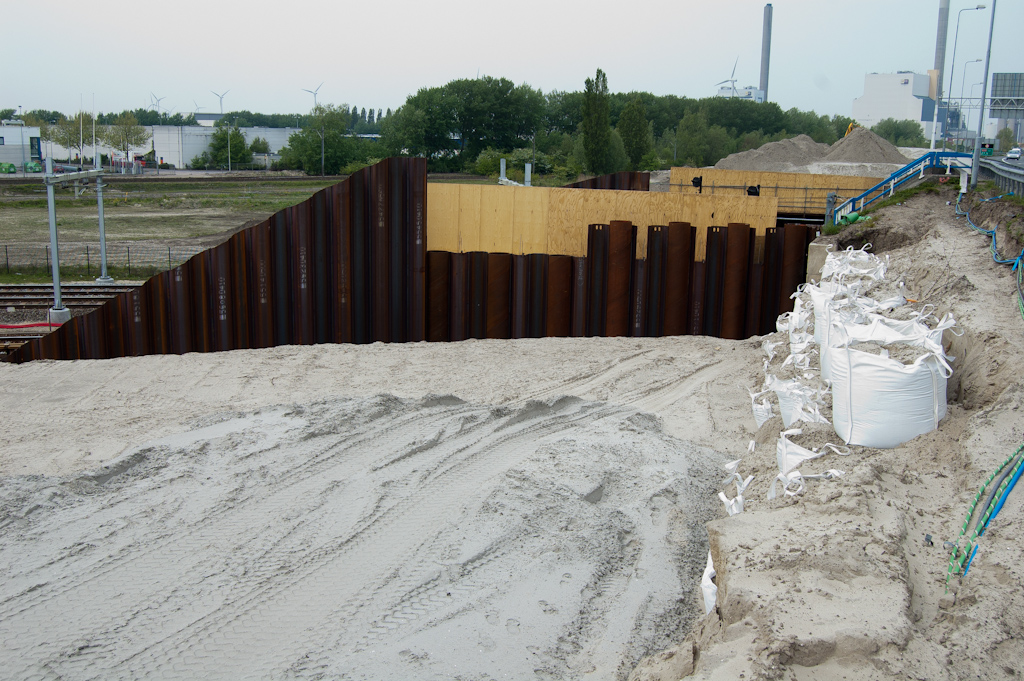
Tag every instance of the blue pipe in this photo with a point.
(1009, 488)
(970, 560)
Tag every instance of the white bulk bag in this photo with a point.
(820, 297)
(882, 330)
(797, 402)
(880, 402)
(854, 263)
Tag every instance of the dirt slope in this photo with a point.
(848, 579)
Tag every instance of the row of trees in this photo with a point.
(461, 125)
(468, 124)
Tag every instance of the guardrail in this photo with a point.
(886, 188)
(1010, 178)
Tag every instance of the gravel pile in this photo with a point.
(862, 152)
(864, 146)
(781, 156)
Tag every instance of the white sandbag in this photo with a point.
(763, 409)
(854, 263)
(880, 402)
(735, 505)
(708, 587)
(820, 296)
(797, 402)
(796, 478)
(790, 455)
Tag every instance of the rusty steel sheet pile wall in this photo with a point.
(347, 265)
(737, 289)
(350, 265)
(628, 181)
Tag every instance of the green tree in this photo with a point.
(596, 125)
(259, 146)
(492, 112)
(692, 139)
(7, 114)
(423, 126)
(900, 133)
(635, 132)
(563, 111)
(225, 138)
(323, 145)
(1006, 139)
(719, 144)
(125, 133)
(72, 133)
(840, 124)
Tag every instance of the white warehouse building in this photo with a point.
(179, 144)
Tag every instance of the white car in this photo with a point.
(1013, 154)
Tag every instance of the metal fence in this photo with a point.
(141, 256)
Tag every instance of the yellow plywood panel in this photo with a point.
(796, 192)
(497, 211)
(566, 224)
(530, 220)
(443, 217)
(539, 220)
(470, 226)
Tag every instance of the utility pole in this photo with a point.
(976, 159)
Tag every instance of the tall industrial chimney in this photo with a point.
(766, 48)
(940, 45)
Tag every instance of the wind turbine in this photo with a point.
(321, 131)
(732, 78)
(156, 103)
(313, 92)
(221, 100)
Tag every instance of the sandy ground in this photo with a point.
(504, 509)
(362, 527)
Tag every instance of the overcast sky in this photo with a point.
(374, 54)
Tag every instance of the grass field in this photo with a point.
(170, 211)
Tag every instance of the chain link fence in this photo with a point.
(144, 259)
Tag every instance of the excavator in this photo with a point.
(850, 127)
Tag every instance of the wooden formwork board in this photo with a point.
(521, 220)
(796, 192)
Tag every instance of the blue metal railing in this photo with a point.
(947, 159)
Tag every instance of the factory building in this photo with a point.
(904, 96)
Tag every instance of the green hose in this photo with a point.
(960, 556)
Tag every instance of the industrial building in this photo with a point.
(904, 96)
(19, 143)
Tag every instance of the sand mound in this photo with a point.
(776, 156)
(862, 152)
(864, 146)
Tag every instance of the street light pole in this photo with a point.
(976, 159)
(22, 129)
(952, 66)
(963, 78)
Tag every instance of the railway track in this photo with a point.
(9, 344)
(40, 296)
